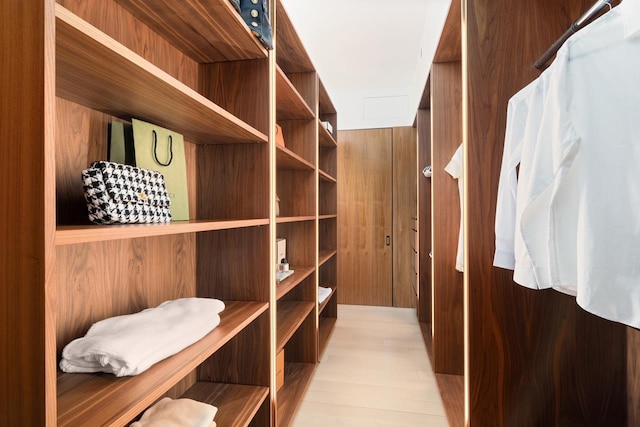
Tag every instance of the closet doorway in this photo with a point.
(377, 207)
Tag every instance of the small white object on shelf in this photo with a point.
(281, 275)
(328, 127)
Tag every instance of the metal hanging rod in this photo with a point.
(578, 24)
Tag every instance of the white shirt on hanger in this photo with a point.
(586, 169)
(455, 168)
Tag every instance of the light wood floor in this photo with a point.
(374, 372)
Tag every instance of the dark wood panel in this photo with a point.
(119, 23)
(245, 359)
(290, 103)
(301, 247)
(297, 192)
(452, 391)
(233, 181)
(237, 404)
(307, 86)
(424, 215)
(27, 191)
(290, 52)
(450, 44)
(208, 31)
(241, 88)
(365, 217)
(231, 264)
(405, 207)
(535, 358)
(300, 137)
(633, 377)
(446, 121)
(297, 377)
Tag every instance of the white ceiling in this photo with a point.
(373, 56)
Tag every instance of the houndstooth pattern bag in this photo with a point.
(122, 194)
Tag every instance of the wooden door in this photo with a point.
(365, 226)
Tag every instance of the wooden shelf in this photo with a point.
(103, 399)
(324, 176)
(297, 377)
(325, 255)
(291, 53)
(287, 219)
(324, 333)
(69, 235)
(287, 159)
(237, 404)
(208, 32)
(326, 301)
(291, 314)
(326, 139)
(300, 273)
(94, 70)
(325, 106)
(328, 216)
(290, 105)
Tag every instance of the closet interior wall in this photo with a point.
(531, 357)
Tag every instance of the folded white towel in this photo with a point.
(130, 344)
(323, 293)
(178, 413)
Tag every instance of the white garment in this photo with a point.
(323, 293)
(130, 344)
(178, 413)
(586, 168)
(455, 168)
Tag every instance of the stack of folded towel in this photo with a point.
(178, 413)
(130, 344)
(323, 293)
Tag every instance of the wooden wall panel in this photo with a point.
(535, 358)
(446, 122)
(633, 377)
(364, 217)
(424, 214)
(405, 207)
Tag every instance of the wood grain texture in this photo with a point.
(535, 358)
(118, 23)
(306, 85)
(446, 122)
(326, 139)
(425, 100)
(452, 391)
(291, 314)
(300, 138)
(300, 274)
(94, 70)
(301, 241)
(633, 377)
(424, 215)
(245, 359)
(450, 44)
(328, 229)
(297, 377)
(239, 87)
(297, 192)
(328, 198)
(233, 181)
(222, 274)
(207, 31)
(291, 54)
(237, 404)
(328, 160)
(365, 217)
(405, 208)
(27, 205)
(289, 102)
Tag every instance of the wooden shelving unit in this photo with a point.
(193, 67)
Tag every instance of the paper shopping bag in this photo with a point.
(162, 150)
